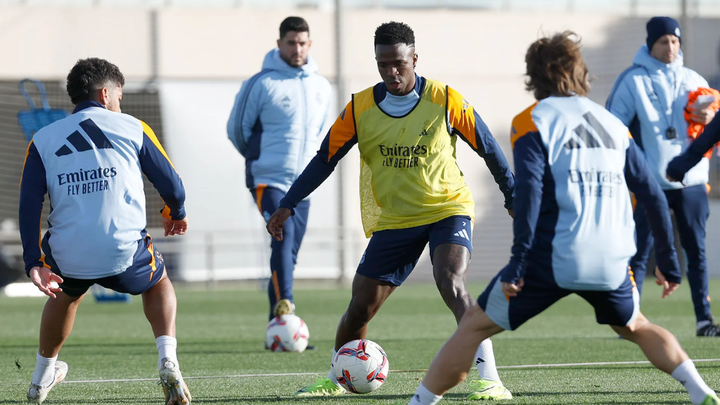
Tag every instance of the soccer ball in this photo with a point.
(287, 333)
(361, 366)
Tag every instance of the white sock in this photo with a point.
(331, 376)
(166, 347)
(485, 361)
(424, 397)
(689, 377)
(44, 370)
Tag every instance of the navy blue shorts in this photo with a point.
(392, 254)
(145, 271)
(618, 307)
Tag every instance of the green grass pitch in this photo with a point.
(221, 342)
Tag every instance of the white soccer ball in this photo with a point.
(361, 366)
(287, 333)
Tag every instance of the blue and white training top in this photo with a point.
(278, 119)
(650, 97)
(91, 165)
(573, 220)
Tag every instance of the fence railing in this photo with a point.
(704, 8)
(213, 257)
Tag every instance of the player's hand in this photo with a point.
(276, 222)
(512, 290)
(175, 226)
(511, 212)
(43, 277)
(703, 116)
(668, 287)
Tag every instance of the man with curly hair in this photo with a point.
(573, 227)
(91, 165)
(413, 192)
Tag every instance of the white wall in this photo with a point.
(204, 54)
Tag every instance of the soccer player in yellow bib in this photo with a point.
(413, 192)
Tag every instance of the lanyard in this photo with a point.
(670, 132)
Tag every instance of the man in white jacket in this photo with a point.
(278, 117)
(650, 97)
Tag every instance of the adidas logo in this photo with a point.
(462, 234)
(97, 137)
(584, 137)
(479, 360)
(424, 132)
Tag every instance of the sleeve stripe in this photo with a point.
(242, 103)
(342, 131)
(40, 237)
(165, 213)
(259, 191)
(151, 135)
(27, 153)
(616, 86)
(462, 117)
(522, 125)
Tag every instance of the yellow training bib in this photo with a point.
(409, 175)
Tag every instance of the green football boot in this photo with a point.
(324, 387)
(488, 390)
(711, 399)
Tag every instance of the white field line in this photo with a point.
(597, 364)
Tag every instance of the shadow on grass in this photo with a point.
(125, 400)
(530, 395)
(144, 347)
(361, 399)
(602, 367)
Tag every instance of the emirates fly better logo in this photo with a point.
(86, 181)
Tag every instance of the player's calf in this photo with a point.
(664, 352)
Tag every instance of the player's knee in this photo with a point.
(630, 330)
(451, 287)
(476, 321)
(359, 313)
(68, 300)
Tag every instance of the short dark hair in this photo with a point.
(555, 66)
(89, 75)
(297, 24)
(393, 33)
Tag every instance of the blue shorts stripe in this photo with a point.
(146, 270)
(496, 304)
(618, 307)
(392, 254)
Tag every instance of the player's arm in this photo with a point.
(244, 114)
(530, 160)
(339, 140)
(621, 102)
(467, 124)
(33, 187)
(158, 168)
(681, 164)
(327, 117)
(643, 184)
